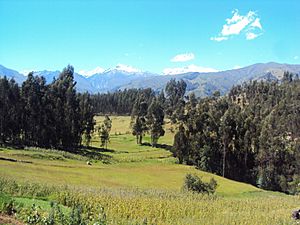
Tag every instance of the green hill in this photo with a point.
(135, 182)
(124, 164)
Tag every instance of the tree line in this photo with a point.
(250, 135)
(45, 115)
(149, 116)
(120, 102)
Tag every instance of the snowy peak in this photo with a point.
(126, 68)
(88, 73)
(123, 68)
(203, 82)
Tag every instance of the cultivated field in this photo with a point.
(134, 184)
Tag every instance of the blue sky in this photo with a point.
(158, 36)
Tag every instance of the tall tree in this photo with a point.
(10, 111)
(175, 100)
(139, 120)
(87, 117)
(181, 145)
(104, 130)
(67, 109)
(155, 120)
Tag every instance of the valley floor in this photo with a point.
(135, 184)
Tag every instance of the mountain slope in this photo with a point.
(83, 85)
(9, 73)
(112, 80)
(202, 84)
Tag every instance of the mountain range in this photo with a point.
(202, 84)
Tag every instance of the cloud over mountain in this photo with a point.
(202, 81)
(248, 24)
(183, 57)
(187, 69)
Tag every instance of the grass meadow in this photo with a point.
(134, 184)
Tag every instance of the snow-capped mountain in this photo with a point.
(202, 84)
(114, 79)
(88, 73)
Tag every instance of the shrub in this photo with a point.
(194, 183)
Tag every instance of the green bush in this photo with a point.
(194, 183)
(8, 205)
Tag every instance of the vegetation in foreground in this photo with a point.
(251, 135)
(130, 184)
(136, 206)
(140, 183)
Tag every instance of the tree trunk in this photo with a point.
(224, 158)
(152, 141)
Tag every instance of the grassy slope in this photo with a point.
(130, 165)
(158, 179)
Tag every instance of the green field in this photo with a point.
(134, 183)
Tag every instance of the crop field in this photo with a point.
(131, 184)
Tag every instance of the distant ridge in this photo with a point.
(9, 73)
(202, 84)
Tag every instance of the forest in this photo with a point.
(48, 116)
(250, 135)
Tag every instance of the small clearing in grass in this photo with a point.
(9, 220)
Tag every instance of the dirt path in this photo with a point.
(14, 160)
(5, 219)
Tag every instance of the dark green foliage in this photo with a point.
(149, 111)
(148, 117)
(120, 102)
(50, 116)
(155, 120)
(251, 135)
(139, 128)
(192, 182)
(175, 103)
(181, 145)
(104, 130)
(10, 108)
(139, 118)
(86, 117)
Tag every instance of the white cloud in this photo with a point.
(218, 39)
(251, 36)
(256, 23)
(127, 68)
(190, 68)
(235, 18)
(88, 73)
(238, 24)
(296, 57)
(183, 57)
